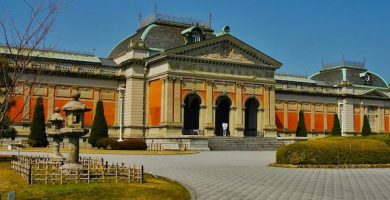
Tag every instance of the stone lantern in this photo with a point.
(57, 122)
(74, 126)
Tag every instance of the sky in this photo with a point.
(301, 34)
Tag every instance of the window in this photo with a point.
(196, 36)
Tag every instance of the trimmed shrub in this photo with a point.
(301, 129)
(38, 129)
(336, 130)
(334, 151)
(99, 126)
(366, 129)
(128, 144)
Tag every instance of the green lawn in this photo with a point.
(153, 188)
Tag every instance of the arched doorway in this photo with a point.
(251, 107)
(222, 110)
(191, 114)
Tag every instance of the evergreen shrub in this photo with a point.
(37, 135)
(366, 129)
(336, 130)
(99, 126)
(301, 129)
(334, 151)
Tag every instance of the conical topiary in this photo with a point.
(38, 129)
(301, 129)
(99, 127)
(366, 129)
(336, 130)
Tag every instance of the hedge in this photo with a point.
(334, 151)
(128, 144)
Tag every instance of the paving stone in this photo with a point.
(245, 175)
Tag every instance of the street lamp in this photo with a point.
(120, 91)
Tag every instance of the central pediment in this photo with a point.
(224, 48)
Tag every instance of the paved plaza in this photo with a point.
(245, 175)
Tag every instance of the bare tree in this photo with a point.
(21, 45)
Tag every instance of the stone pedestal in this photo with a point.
(56, 147)
(74, 147)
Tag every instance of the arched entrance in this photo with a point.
(191, 114)
(222, 110)
(251, 107)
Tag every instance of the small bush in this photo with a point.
(334, 151)
(128, 144)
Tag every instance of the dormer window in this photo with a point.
(193, 34)
(196, 36)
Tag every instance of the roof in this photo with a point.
(255, 53)
(159, 35)
(107, 62)
(52, 54)
(353, 75)
(294, 78)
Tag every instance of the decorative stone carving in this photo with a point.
(279, 105)
(292, 106)
(62, 91)
(318, 108)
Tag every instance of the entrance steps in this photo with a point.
(243, 144)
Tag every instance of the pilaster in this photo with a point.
(176, 101)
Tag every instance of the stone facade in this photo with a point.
(182, 82)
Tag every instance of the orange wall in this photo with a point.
(88, 116)
(155, 102)
(330, 122)
(319, 122)
(292, 121)
(307, 117)
(16, 111)
(279, 120)
(109, 112)
(60, 103)
(387, 124)
(356, 123)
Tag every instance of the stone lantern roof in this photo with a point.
(56, 116)
(75, 104)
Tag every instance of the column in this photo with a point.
(326, 118)
(50, 100)
(239, 113)
(177, 102)
(272, 107)
(266, 107)
(312, 121)
(26, 98)
(168, 102)
(209, 103)
(162, 110)
(147, 104)
(285, 115)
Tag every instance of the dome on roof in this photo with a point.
(156, 37)
(354, 75)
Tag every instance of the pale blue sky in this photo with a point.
(297, 33)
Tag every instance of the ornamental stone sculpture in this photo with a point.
(74, 126)
(57, 122)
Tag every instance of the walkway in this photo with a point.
(245, 175)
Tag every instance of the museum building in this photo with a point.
(179, 80)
